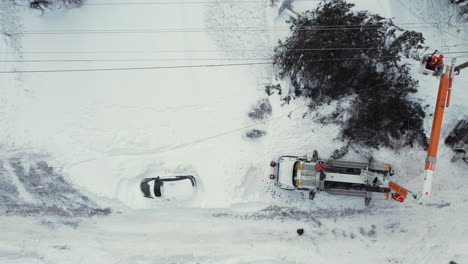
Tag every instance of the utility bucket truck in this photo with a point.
(363, 179)
(331, 176)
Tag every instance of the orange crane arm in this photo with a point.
(437, 121)
(443, 101)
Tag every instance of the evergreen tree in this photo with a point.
(334, 52)
(46, 4)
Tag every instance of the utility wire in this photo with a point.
(192, 66)
(123, 60)
(181, 51)
(183, 2)
(182, 59)
(332, 26)
(197, 141)
(138, 68)
(186, 30)
(205, 51)
(155, 67)
(226, 133)
(433, 25)
(160, 30)
(130, 60)
(177, 66)
(124, 51)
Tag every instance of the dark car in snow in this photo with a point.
(168, 186)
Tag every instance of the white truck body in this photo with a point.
(332, 176)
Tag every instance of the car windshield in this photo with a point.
(296, 164)
(168, 187)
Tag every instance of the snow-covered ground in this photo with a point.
(213, 236)
(104, 131)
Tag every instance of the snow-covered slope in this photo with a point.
(104, 131)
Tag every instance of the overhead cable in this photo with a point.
(136, 68)
(186, 51)
(130, 60)
(433, 25)
(175, 2)
(176, 66)
(188, 30)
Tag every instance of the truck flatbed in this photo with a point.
(358, 165)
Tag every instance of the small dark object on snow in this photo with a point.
(311, 195)
(255, 133)
(261, 110)
(300, 231)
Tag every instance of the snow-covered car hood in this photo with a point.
(285, 171)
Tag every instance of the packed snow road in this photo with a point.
(239, 235)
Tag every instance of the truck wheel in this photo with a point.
(314, 156)
(311, 195)
(367, 201)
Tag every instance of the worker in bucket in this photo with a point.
(435, 63)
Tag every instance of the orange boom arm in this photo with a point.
(443, 99)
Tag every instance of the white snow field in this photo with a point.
(106, 130)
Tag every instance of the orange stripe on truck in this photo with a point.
(398, 189)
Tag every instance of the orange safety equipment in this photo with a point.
(436, 61)
(397, 197)
(319, 167)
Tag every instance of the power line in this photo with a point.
(432, 24)
(206, 51)
(188, 30)
(197, 141)
(184, 51)
(170, 30)
(117, 60)
(179, 2)
(186, 2)
(196, 66)
(181, 59)
(139, 68)
(178, 66)
(455, 52)
(124, 51)
(228, 132)
(158, 67)
(160, 51)
(242, 28)
(131, 60)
